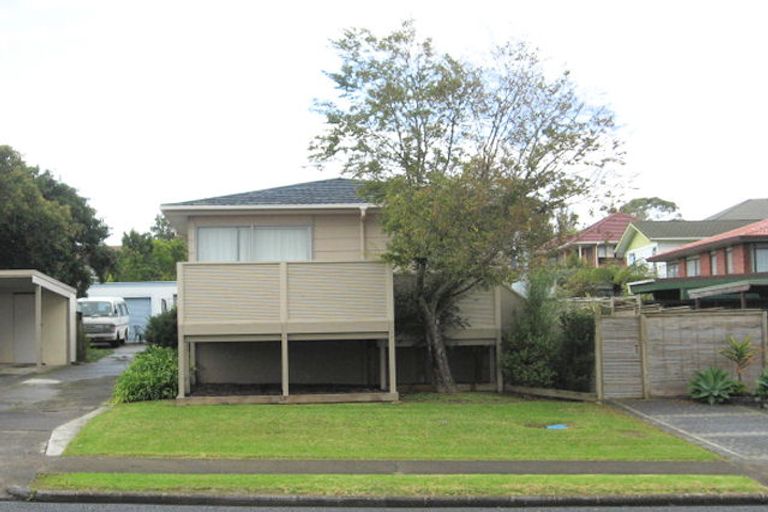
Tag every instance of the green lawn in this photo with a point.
(404, 485)
(463, 427)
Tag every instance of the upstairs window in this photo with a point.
(729, 261)
(673, 269)
(254, 243)
(713, 263)
(693, 267)
(761, 258)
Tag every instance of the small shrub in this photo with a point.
(761, 390)
(576, 360)
(153, 375)
(532, 346)
(163, 329)
(712, 385)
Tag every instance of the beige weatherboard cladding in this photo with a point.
(285, 302)
(253, 321)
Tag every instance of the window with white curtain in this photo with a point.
(761, 258)
(255, 243)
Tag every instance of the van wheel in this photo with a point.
(125, 337)
(114, 343)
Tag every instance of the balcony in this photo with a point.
(224, 303)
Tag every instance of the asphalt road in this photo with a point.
(74, 507)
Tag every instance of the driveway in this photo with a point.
(737, 432)
(32, 405)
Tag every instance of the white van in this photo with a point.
(105, 319)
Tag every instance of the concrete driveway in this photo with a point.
(33, 404)
(737, 432)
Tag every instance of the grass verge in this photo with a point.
(466, 427)
(403, 485)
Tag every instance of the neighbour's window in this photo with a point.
(163, 305)
(729, 261)
(672, 269)
(632, 258)
(713, 263)
(692, 267)
(761, 258)
(253, 244)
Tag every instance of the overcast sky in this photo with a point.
(139, 103)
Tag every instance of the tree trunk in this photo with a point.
(441, 369)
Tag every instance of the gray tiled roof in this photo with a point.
(655, 229)
(333, 191)
(751, 209)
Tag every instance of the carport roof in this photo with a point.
(15, 278)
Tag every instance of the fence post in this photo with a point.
(598, 357)
(643, 341)
(765, 339)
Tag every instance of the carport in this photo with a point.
(37, 319)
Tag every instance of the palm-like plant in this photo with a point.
(742, 353)
(712, 385)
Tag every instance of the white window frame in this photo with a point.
(713, 257)
(755, 248)
(729, 266)
(253, 227)
(673, 270)
(695, 262)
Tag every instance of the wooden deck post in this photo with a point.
(284, 363)
(284, 370)
(38, 325)
(382, 365)
(390, 297)
(181, 346)
(496, 366)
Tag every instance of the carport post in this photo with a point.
(39, 325)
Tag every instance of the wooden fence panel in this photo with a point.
(656, 355)
(621, 364)
(680, 345)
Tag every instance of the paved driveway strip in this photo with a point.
(737, 432)
(32, 406)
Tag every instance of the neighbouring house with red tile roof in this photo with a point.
(596, 244)
(729, 265)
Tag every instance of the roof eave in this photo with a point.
(706, 247)
(259, 207)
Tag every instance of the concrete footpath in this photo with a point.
(32, 405)
(380, 467)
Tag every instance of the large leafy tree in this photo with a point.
(150, 256)
(469, 162)
(46, 225)
(651, 208)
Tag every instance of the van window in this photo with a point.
(96, 308)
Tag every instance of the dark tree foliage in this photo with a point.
(576, 358)
(46, 225)
(150, 256)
